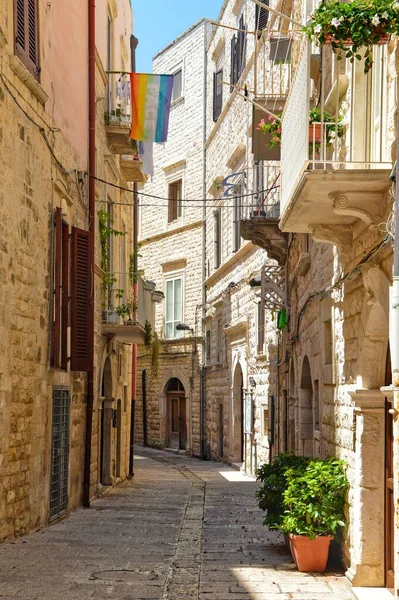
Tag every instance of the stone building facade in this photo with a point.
(44, 205)
(171, 236)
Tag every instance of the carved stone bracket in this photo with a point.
(266, 234)
(358, 205)
(340, 236)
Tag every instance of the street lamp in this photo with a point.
(184, 327)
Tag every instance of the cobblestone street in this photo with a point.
(183, 529)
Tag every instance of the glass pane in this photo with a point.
(178, 301)
(177, 85)
(169, 330)
(169, 301)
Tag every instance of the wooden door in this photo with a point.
(182, 424)
(177, 422)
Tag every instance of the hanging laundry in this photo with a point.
(146, 152)
(151, 99)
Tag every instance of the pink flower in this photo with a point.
(278, 130)
(271, 118)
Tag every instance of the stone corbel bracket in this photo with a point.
(337, 235)
(358, 205)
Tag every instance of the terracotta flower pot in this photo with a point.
(383, 39)
(310, 555)
(314, 133)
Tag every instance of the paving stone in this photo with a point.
(177, 531)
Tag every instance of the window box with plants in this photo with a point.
(354, 27)
(318, 121)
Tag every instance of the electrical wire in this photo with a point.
(354, 271)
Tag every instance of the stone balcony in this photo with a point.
(125, 319)
(132, 169)
(335, 172)
(260, 220)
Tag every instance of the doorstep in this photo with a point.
(368, 593)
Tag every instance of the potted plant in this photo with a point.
(272, 126)
(314, 502)
(336, 129)
(273, 477)
(349, 27)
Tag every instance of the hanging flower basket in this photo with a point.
(354, 27)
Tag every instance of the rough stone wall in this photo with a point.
(229, 150)
(176, 246)
(32, 186)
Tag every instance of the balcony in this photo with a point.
(335, 172)
(118, 116)
(122, 318)
(260, 218)
(132, 168)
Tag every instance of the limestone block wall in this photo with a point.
(177, 247)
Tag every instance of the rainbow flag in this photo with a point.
(151, 98)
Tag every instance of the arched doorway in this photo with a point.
(305, 420)
(238, 415)
(118, 437)
(106, 455)
(291, 410)
(176, 414)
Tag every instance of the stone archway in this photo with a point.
(179, 374)
(176, 399)
(238, 415)
(305, 413)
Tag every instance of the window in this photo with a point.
(238, 53)
(174, 205)
(261, 17)
(60, 293)
(219, 341)
(265, 418)
(218, 237)
(237, 209)
(26, 30)
(261, 327)
(217, 94)
(174, 307)
(208, 347)
(316, 406)
(177, 85)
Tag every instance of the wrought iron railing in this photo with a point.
(344, 126)
(263, 200)
(118, 110)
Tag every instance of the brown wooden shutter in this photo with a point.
(217, 94)
(81, 287)
(64, 296)
(241, 48)
(26, 26)
(57, 289)
(233, 62)
(261, 17)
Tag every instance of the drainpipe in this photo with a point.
(133, 45)
(92, 213)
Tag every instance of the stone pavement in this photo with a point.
(183, 529)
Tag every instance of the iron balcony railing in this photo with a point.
(264, 200)
(118, 110)
(120, 306)
(342, 126)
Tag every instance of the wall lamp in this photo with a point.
(184, 327)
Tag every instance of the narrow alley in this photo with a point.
(183, 529)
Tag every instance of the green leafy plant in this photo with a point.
(273, 477)
(156, 348)
(273, 126)
(354, 25)
(105, 230)
(148, 337)
(336, 129)
(114, 116)
(133, 256)
(314, 499)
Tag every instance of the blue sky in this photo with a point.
(158, 22)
